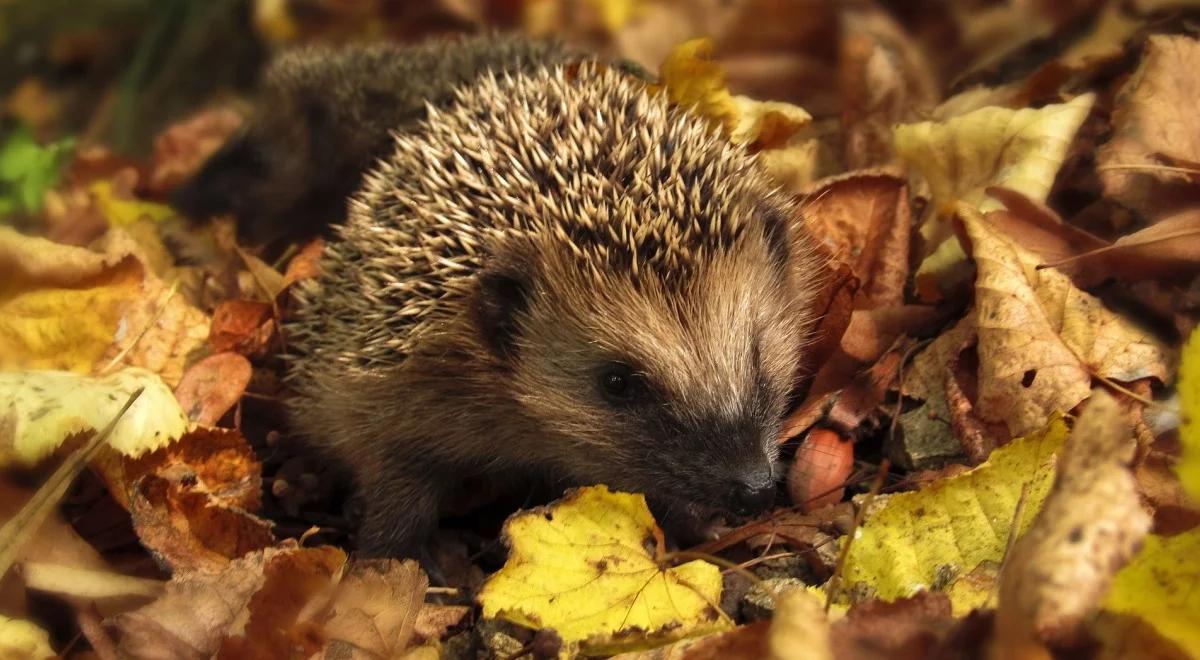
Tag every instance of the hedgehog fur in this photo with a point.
(559, 276)
(322, 117)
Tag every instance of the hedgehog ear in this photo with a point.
(503, 294)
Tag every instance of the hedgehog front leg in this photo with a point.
(401, 510)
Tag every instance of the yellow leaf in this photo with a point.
(43, 408)
(123, 212)
(71, 309)
(582, 567)
(1189, 431)
(1159, 586)
(693, 80)
(614, 14)
(918, 540)
(961, 157)
(22, 640)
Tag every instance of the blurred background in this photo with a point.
(116, 72)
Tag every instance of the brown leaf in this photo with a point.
(242, 326)
(1166, 250)
(376, 608)
(1040, 339)
(1038, 229)
(865, 222)
(216, 462)
(189, 530)
(212, 386)
(1155, 130)
(305, 265)
(1090, 524)
(182, 148)
(884, 79)
(906, 628)
(275, 626)
(203, 609)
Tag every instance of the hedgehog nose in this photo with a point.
(753, 497)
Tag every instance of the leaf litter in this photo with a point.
(1008, 198)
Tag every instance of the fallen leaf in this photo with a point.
(46, 407)
(67, 308)
(884, 79)
(182, 148)
(1154, 131)
(906, 628)
(23, 640)
(583, 568)
(799, 628)
(242, 326)
(1166, 250)
(748, 642)
(1090, 524)
(1041, 340)
(1038, 229)
(201, 609)
(216, 462)
(186, 528)
(86, 583)
(306, 264)
(268, 282)
(963, 156)
(693, 80)
(1158, 587)
(375, 609)
(275, 625)
(122, 209)
(916, 540)
(863, 219)
(212, 386)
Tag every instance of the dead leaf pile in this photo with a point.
(993, 448)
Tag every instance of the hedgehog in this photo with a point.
(324, 115)
(558, 277)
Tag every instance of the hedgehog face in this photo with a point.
(673, 387)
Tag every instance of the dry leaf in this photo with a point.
(216, 462)
(1040, 339)
(187, 529)
(906, 628)
(44, 408)
(68, 308)
(863, 219)
(182, 148)
(212, 386)
(884, 79)
(242, 326)
(1155, 131)
(201, 609)
(799, 628)
(919, 541)
(963, 156)
(375, 609)
(1166, 250)
(1091, 523)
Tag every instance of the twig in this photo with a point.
(844, 552)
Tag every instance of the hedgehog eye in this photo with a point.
(619, 384)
